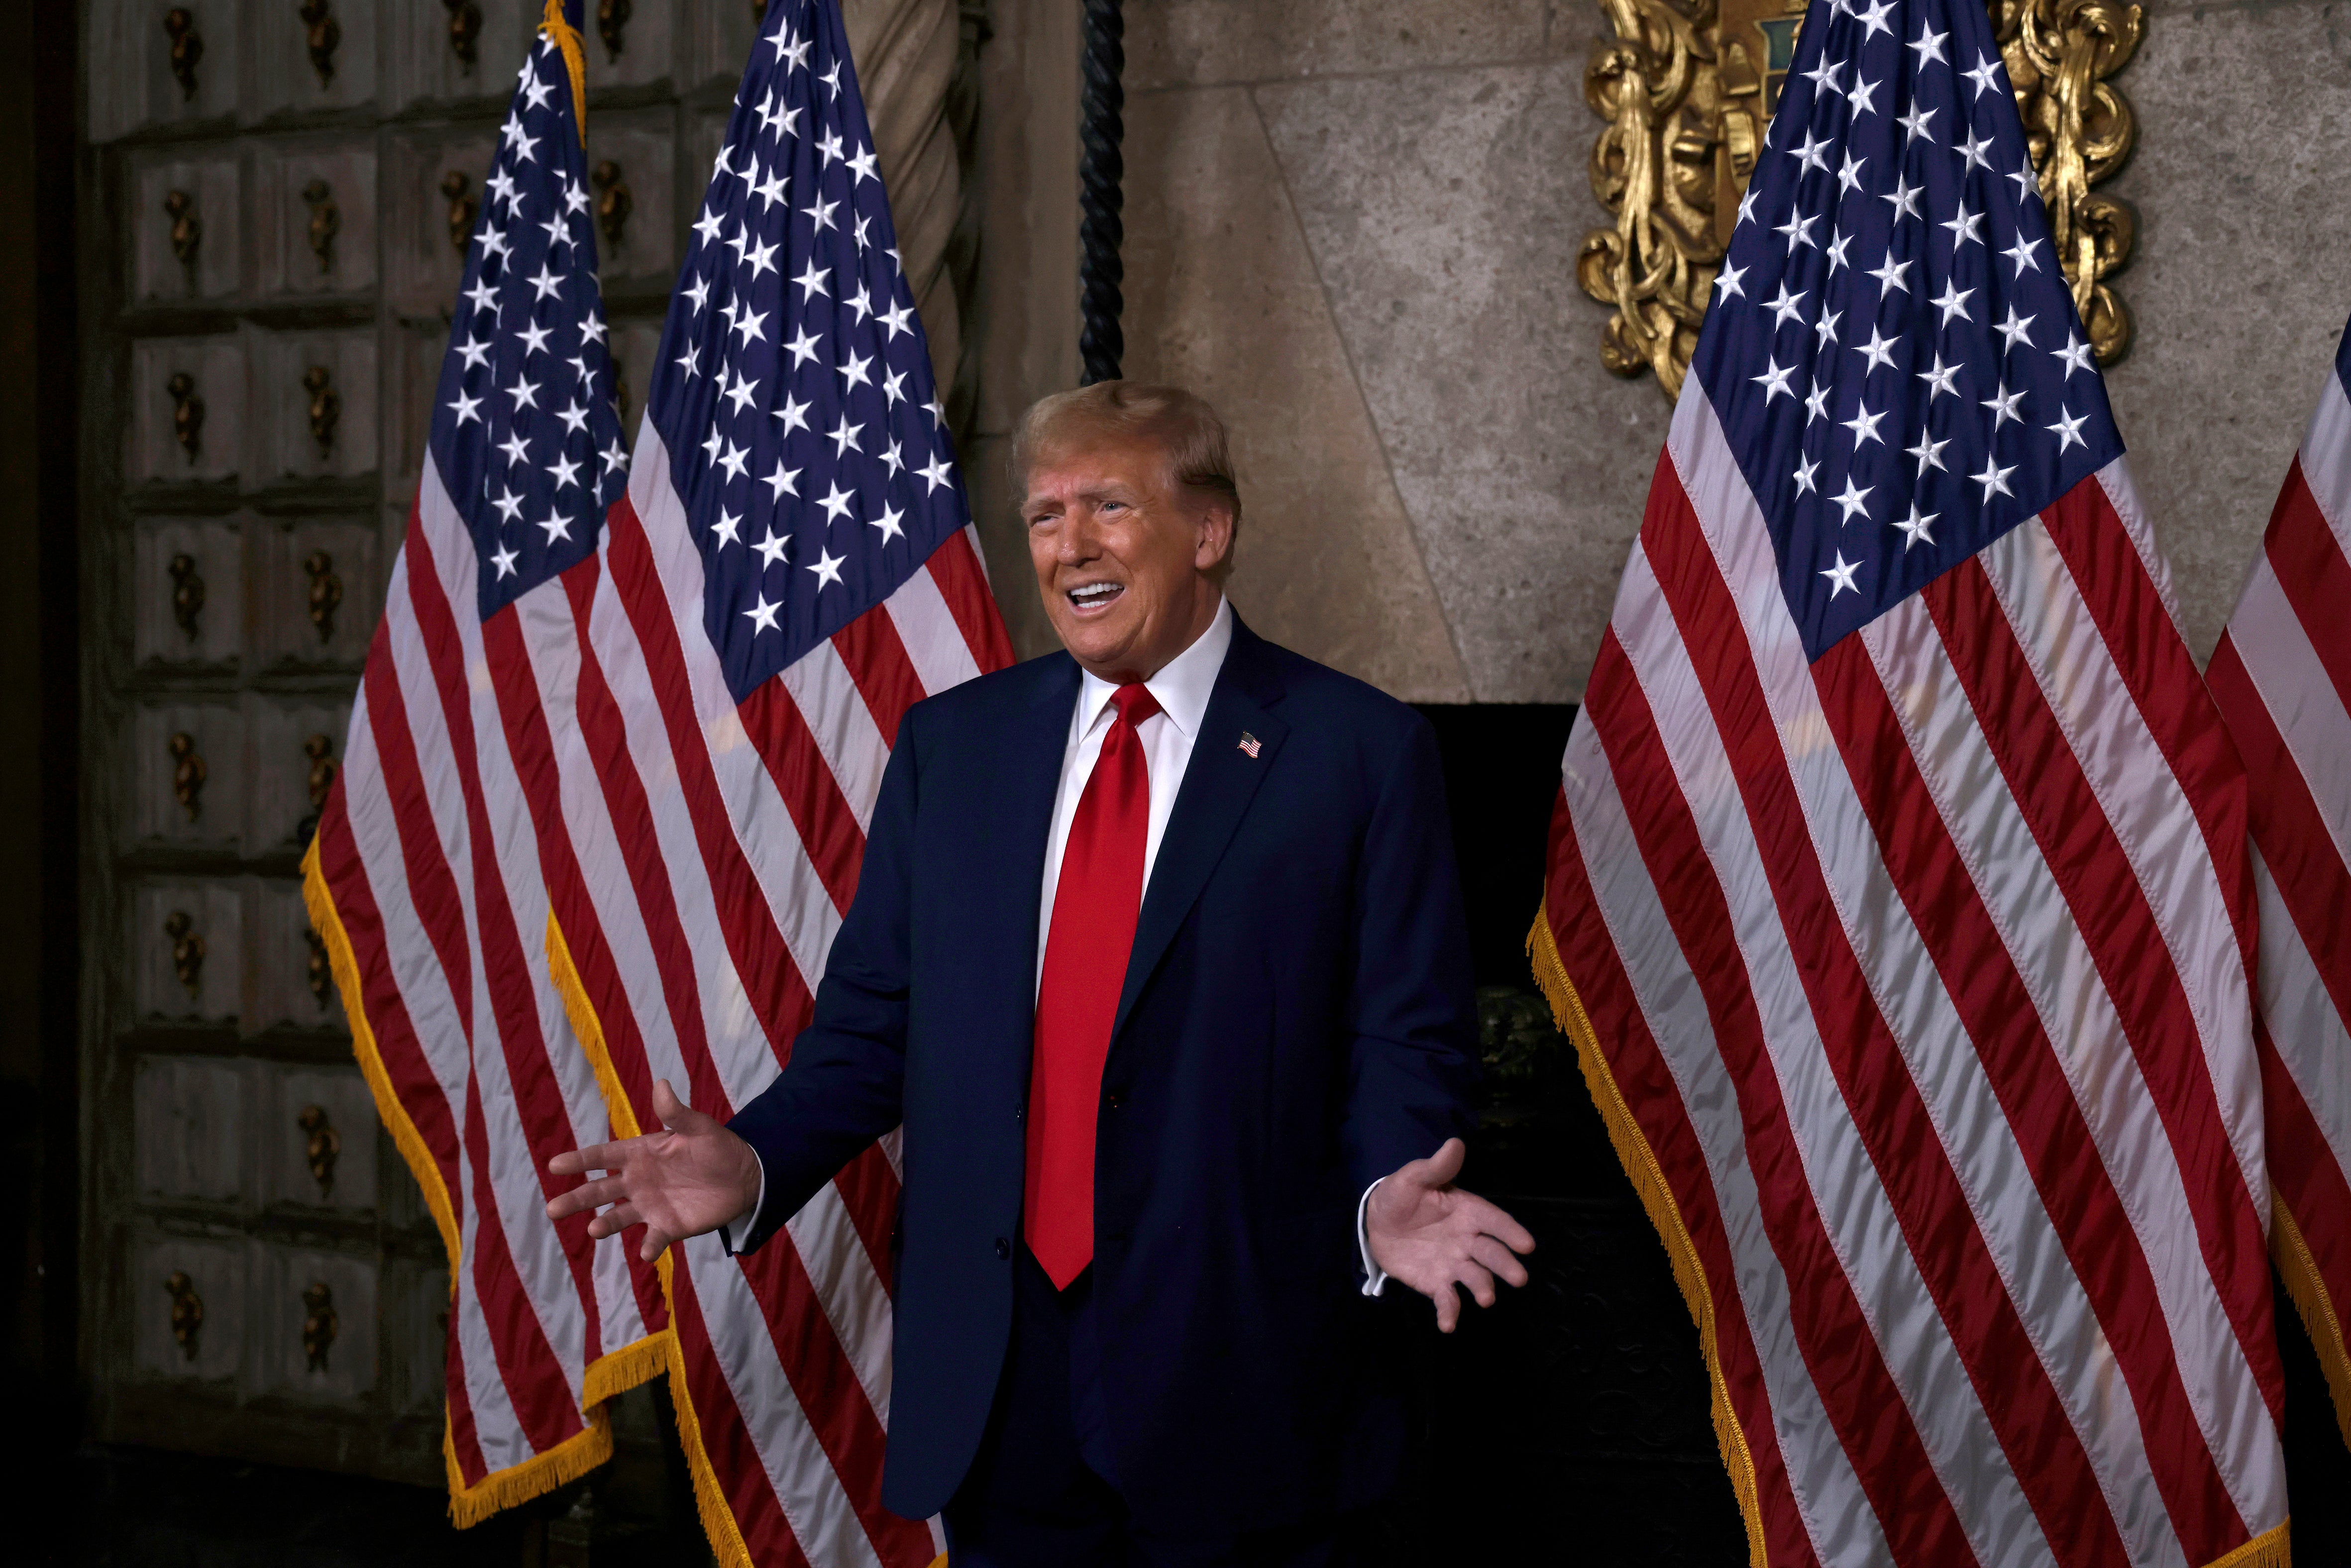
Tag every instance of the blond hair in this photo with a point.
(1181, 423)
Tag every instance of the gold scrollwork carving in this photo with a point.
(187, 1313)
(317, 972)
(326, 408)
(464, 208)
(187, 773)
(187, 593)
(187, 412)
(326, 221)
(322, 1146)
(465, 27)
(1687, 87)
(187, 48)
(613, 202)
(318, 1324)
(320, 750)
(323, 33)
(187, 952)
(187, 229)
(326, 591)
(611, 26)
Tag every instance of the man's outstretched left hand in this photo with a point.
(1432, 1236)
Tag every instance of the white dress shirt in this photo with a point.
(1182, 688)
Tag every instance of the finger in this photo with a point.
(1448, 1307)
(614, 1221)
(595, 1157)
(1499, 1258)
(564, 1205)
(666, 1104)
(1477, 1281)
(657, 1242)
(1495, 1222)
(1443, 1166)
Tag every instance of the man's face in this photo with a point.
(1121, 550)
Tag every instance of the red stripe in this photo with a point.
(1888, 1116)
(472, 1464)
(778, 994)
(962, 583)
(2310, 566)
(2309, 1180)
(2020, 1063)
(2087, 861)
(885, 678)
(831, 1396)
(1650, 1094)
(726, 1440)
(868, 1186)
(1858, 1392)
(829, 835)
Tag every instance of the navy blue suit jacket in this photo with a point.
(1297, 1022)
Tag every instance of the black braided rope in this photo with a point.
(1101, 169)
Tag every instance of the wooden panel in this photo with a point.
(344, 1107)
(187, 227)
(633, 345)
(287, 77)
(131, 84)
(192, 430)
(416, 1336)
(432, 195)
(646, 43)
(316, 590)
(314, 217)
(422, 65)
(191, 611)
(189, 1125)
(214, 914)
(642, 149)
(305, 428)
(338, 1368)
(417, 350)
(190, 792)
(284, 768)
(216, 1271)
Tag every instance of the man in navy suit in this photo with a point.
(1158, 955)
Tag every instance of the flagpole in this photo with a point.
(1101, 169)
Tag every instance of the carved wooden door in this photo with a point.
(282, 192)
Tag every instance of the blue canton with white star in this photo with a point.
(1892, 348)
(793, 386)
(524, 432)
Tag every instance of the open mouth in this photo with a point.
(1095, 596)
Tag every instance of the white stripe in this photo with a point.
(1829, 1496)
(498, 1430)
(2026, 904)
(841, 1271)
(842, 726)
(2304, 1026)
(1972, 1127)
(933, 641)
(2327, 459)
(2300, 696)
(814, 1502)
(2123, 495)
(1855, 1211)
(2152, 820)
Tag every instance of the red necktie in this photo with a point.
(1094, 908)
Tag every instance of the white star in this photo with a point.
(707, 227)
(1812, 154)
(1840, 576)
(592, 330)
(504, 559)
(770, 191)
(477, 354)
(1854, 502)
(1859, 95)
(1953, 301)
(690, 361)
(1965, 227)
(534, 339)
(1836, 253)
(1775, 382)
(895, 319)
(710, 447)
(1816, 401)
(467, 407)
(891, 458)
(2020, 255)
(1874, 19)
(500, 185)
(832, 79)
(2068, 429)
(547, 282)
(1825, 328)
(820, 212)
(614, 456)
(1849, 174)
(1918, 123)
(1930, 44)
(743, 394)
(860, 233)
(793, 414)
(1973, 150)
(762, 260)
(1798, 228)
(513, 446)
(938, 415)
(1805, 468)
(1904, 196)
(494, 244)
(1986, 75)
(762, 615)
(781, 483)
(2002, 403)
(792, 50)
(752, 325)
(579, 363)
(524, 392)
(938, 474)
(773, 113)
(722, 532)
(812, 283)
(1994, 478)
(1864, 426)
(1879, 351)
(554, 227)
(1892, 275)
(888, 523)
(1747, 203)
(566, 472)
(698, 291)
(1785, 307)
(2028, 183)
(557, 524)
(862, 163)
(1915, 528)
(855, 372)
(1726, 284)
(836, 504)
(519, 145)
(772, 549)
(734, 459)
(844, 438)
(482, 294)
(2014, 329)
(827, 567)
(2075, 355)
(861, 302)
(802, 347)
(509, 504)
(1941, 378)
(1822, 76)
(1929, 452)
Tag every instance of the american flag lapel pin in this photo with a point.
(1250, 743)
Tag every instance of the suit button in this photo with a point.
(1003, 1246)
(1116, 1101)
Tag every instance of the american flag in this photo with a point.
(791, 567)
(1898, 897)
(430, 871)
(2281, 675)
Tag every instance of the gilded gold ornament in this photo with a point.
(1687, 87)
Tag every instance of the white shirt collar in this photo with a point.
(1183, 686)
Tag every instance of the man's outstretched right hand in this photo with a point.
(690, 1177)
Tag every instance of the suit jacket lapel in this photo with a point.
(1218, 784)
(1012, 856)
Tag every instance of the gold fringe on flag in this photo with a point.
(2299, 1270)
(567, 38)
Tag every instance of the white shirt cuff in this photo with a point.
(1375, 1277)
(738, 1230)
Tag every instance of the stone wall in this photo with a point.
(1352, 225)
